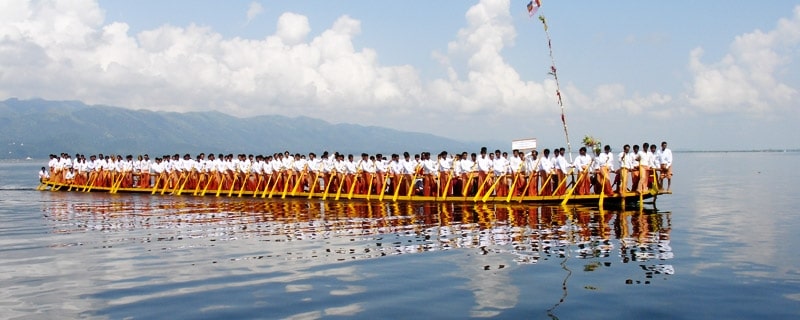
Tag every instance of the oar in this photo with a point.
(286, 186)
(166, 184)
(491, 189)
(512, 187)
(328, 185)
(447, 185)
(235, 177)
(221, 182)
(469, 183)
(244, 183)
(413, 182)
(208, 183)
(584, 173)
(299, 182)
(527, 185)
(353, 186)
(155, 185)
(383, 188)
(369, 186)
(188, 175)
(258, 184)
(602, 191)
(397, 187)
(313, 184)
(200, 178)
(275, 185)
(341, 183)
(266, 186)
(480, 188)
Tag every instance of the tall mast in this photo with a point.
(533, 6)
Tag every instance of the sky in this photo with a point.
(702, 75)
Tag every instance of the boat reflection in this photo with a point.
(377, 228)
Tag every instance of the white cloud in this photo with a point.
(254, 10)
(749, 78)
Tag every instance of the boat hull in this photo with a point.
(629, 198)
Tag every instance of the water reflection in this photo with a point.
(530, 232)
(311, 234)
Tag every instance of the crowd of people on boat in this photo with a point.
(549, 173)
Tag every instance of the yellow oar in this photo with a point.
(155, 185)
(166, 184)
(353, 186)
(299, 182)
(369, 185)
(602, 191)
(480, 188)
(188, 175)
(328, 185)
(221, 182)
(447, 185)
(527, 185)
(383, 188)
(572, 190)
(275, 185)
(512, 187)
(208, 183)
(397, 187)
(244, 183)
(469, 183)
(286, 186)
(235, 177)
(258, 184)
(491, 189)
(200, 178)
(266, 186)
(339, 190)
(313, 184)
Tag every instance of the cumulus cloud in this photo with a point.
(254, 10)
(748, 78)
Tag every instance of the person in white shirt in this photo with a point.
(626, 166)
(605, 165)
(664, 156)
(582, 164)
(44, 175)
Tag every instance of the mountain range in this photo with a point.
(36, 128)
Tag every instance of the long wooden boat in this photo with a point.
(617, 199)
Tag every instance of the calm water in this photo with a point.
(722, 246)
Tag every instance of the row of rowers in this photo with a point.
(497, 162)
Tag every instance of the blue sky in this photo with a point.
(700, 74)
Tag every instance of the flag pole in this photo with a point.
(554, 73)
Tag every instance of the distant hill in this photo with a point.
(37, 128)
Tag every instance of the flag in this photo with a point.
(533, 6)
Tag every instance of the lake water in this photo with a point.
(722, 246)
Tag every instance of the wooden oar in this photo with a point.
(353, 186)
(328, 185)
(185, 180)
(480, 188)
(208, 183)
(233, 184)
(512, 187)
(244, 183)
(275, 185)
(221, 182)
(602, 191)
(466, 186)
(155, 185)
(447, 185)
(313, 184)
(200, 178)
(584, 173)
(341, 183)
(258, 184)
(397, 187)
(369, 186)
(299, 182)
(383, 188)
(491, 189)
(285, 186)
(266, 186)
